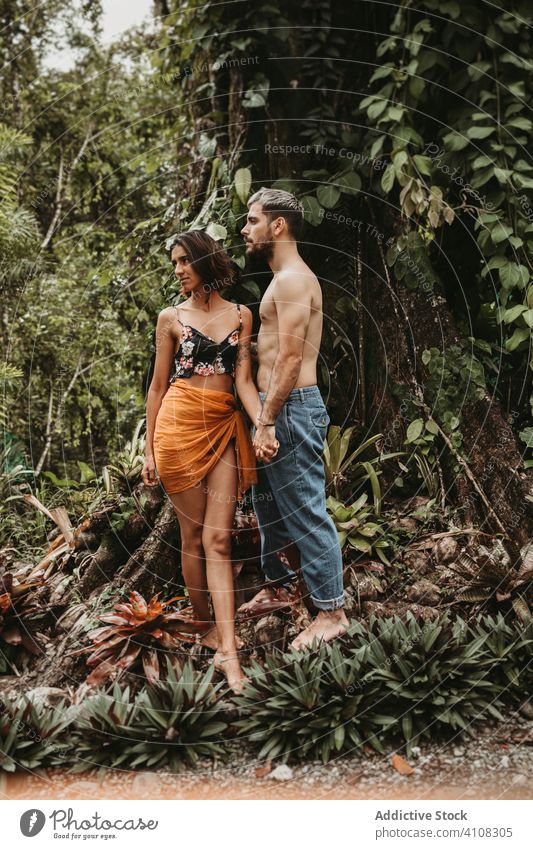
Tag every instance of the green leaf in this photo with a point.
(339, 737)
(62, 483)
(520, 123)
(313, 211)
(523, 182)
(519, 336)
(328, 195)
(513, 313)
(376, 109)
(360, 544)
(512, 274)
(527, 436)
(87, 474)
(387, 180)
(399, 160)
(243, 182)
(500, 232)
(252, 287)
(349, 183)
(414, 430)
(407, 727)
(455, 141)
(216, 231)
(527, 315)
(476, 132)
(383, 71)
(423, 163)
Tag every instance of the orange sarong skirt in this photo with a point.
(192, 430)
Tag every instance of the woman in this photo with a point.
(197, 442)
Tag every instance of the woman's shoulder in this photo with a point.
(169, 312)
(246, 312)
(168, 315)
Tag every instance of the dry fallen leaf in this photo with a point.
(401, 765)
(261, 771)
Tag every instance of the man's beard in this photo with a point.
(262, 251)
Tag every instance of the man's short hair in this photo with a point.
(276, 202)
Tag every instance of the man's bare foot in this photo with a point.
(228, 663)
(210, 639)
(327, 625)
(266, 600)
(266, 594)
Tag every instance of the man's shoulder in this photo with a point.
(297, 278)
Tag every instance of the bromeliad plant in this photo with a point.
(356, 528)
(171, 723)
(32, 735)
(378, 683)
(283, 709)
(138, 632)
(511, 646)
(180, 719)
(434, 678)
(313, 706)
(104, 729)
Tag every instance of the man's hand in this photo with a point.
(149, 472)
(265, 443)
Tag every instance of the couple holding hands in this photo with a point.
(198, 444)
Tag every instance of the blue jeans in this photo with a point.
(290, 501)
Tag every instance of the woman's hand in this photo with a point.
(265, 443)
(149, 472)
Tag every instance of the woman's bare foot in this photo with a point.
(228, 663)
(210, 639)
(327, 625)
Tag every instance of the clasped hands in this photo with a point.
(265, 443)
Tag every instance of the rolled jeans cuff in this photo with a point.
(329, 603)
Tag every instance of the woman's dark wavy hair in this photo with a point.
(210, 261)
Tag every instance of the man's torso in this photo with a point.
(268, 338)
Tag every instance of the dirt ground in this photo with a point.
(496, 763)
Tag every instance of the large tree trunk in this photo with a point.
(491, 490)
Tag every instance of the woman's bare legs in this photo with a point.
(216, 540)
(189, 507)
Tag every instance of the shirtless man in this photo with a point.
(289, 499)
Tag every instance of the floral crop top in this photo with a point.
(199, 354)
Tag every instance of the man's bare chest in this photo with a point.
(267, 308)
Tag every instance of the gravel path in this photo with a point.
(497, 763)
